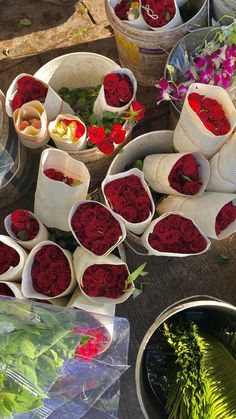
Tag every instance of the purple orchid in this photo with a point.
(166, 90)
(206, 76)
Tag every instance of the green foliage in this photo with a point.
(138, 272)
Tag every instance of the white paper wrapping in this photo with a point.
(202, 210)
(176, 21)
(223, 168)
(149, 230)
(82, 260)
(14, 273)
(122, 226)
(66, 143)
(136, 23)
(27, 284)
(191, 134)
(137, 228)
(78, 300)
(53, 199)
(15, 288)
(53, 103)
(100, 104)
(157, 167)
(28, 244)
(32, 137)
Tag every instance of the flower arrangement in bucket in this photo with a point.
(100, 116)
(211, 62)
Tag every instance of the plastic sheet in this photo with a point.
(6, 163)
(40, 367)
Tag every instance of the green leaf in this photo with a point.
(76, 183)
(138, 164)
(22, 235)
(93, 119)
(132, 277)
(25, 22)
(168, 16)
(63, 91)
(136, 292)
(109, 115)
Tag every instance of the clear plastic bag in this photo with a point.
(6, 163)
(40, 375)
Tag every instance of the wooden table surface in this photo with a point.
(169, 279)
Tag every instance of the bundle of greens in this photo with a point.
(203, 384)
(34, 343)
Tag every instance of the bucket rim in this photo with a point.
(133, 30)
(181, 305)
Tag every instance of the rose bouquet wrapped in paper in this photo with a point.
(96, 228)
(213, 212)
(223, 171)
(68, 132)
(161, 14)
(62, 181)
(103, 280)
(117, 92)
(207, 120)
(177, 173)
(48, 272)
(10, 289)
(43, 354)
(26, 88)
(128, 196)
(25, 229)
(78, 300)
(12, 259)
(174, 234)
(129, 13)
(31, 124)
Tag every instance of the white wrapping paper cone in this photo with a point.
(157, 167)
(223, 168)
(122, 226)
(63, 301)
(15, 288)
(203, 210)
(152, 251)
(191, 134)
(176, 21)
(66, 143)
(53, 199)
(136, 23)
(82, 260)
(28, 244)
(14, 273)
(100, 104)
(27, 284)
(32, 137)
(137, 228)
(53, 104)
(78, 300)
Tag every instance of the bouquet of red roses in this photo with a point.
(12, 259)
(161, 14)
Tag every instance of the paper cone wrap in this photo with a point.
(78, 300)
(32, 137)
(14, 273)
(66, 143)
(174, 22)
(100, 104)
(54, 199)
(27, 285)
(62, 301)
(15, 288)
(82, 260)
(137, 228)
(136, 23)
(157, 168)
(223, 168)
(202, 210)
(191, 134)
(154, 252)
(122, 226)
(28, 244)
(53, 104)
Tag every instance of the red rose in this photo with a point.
(225, 217)
(125, 91)
(113, 99)
(59, 176)
(191, 188)
(37, 90)
(96, 134)
(25, 82)
(117, 134)
(51, 173)
(52, 251)
(138, 109)
(80, 129)
(106, 147)
(63, 282)
(129, 213)
(99, 247)
(16, 102)
(112, 293)
(20, 219)
(111, 82)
